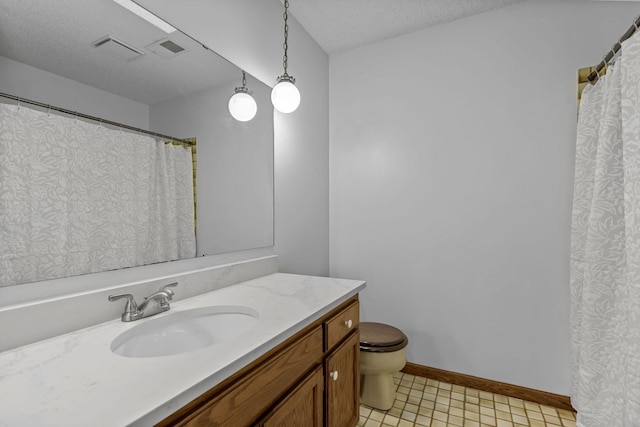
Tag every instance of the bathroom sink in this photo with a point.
(185, 331)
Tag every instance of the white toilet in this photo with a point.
(381, 355)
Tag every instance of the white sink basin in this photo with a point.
(184, 331)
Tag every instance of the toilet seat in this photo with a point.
(381, 338)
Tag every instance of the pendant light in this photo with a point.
(242, 106)
(285, 95)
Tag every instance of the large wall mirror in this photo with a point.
(146, 77)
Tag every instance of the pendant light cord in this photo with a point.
(286, 36)
(285, 96)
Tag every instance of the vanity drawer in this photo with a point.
(341, 325)
(246, 399)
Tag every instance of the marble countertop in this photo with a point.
(75, 379)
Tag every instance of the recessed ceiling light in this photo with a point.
(146, 15)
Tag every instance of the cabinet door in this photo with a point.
(342, 387)
(302, 407)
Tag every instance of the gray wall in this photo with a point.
(28, 82)
(452, 178)
(235, 165)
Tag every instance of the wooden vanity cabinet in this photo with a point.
(312, 379)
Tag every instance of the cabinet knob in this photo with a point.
(348, 323)
(334, 375)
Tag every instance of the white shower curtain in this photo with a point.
(78, 198)
(605, 249)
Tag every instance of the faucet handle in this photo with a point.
(169, 292)
(130, 308)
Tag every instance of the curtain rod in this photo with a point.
(595, 75)
(97, 119)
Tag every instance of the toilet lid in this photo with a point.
(380, 335)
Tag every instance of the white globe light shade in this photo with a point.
(242, 106)
(285, 97)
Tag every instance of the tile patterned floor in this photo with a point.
(424, 402)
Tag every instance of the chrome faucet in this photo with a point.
(155, 303)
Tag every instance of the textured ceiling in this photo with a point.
(57, 36)
(339, 25)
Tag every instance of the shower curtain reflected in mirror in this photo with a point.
(605, 248)
(77, 198)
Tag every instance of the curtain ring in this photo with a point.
(19, 99)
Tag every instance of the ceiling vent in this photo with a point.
(166, 48)
(117, 49)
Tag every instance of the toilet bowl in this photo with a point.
(381, 355)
